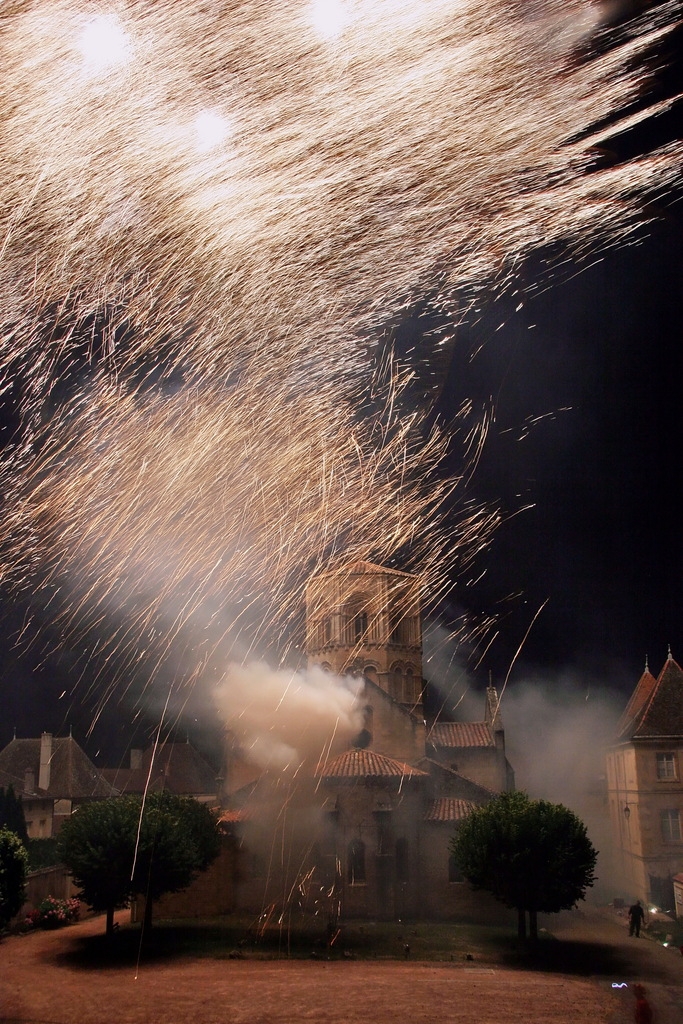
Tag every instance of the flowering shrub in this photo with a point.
(53, 913)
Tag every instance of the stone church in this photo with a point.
(366, 832)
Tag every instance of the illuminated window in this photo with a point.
(671, 826)
(666, 766)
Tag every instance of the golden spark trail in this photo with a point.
(207, 213)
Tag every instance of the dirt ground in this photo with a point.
(44, 979)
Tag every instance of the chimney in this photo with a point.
(45, 760)
(135, 758)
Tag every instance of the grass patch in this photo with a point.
(242, 938)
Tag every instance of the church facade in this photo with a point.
(366, 832)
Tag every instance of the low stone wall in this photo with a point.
(55, 881)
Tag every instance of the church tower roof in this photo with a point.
(361, 567)
(656, 705)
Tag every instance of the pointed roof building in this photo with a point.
(637, 702)
(52, 768)
(656, 705)
(176, 767)
(645, 788)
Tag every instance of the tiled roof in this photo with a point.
(662, 712)
(455, 783)
(461, 734)
(357, 764)
(449, 808)
(639, 698)
(232, 816)
(73, 776)
(178, 768)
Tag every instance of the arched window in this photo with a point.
(396, 682)
(356, 862)
(360, 626)
(409, 694)
(396, 627)
(355, 619)
(402, 860)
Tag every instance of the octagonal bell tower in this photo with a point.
(365, 618)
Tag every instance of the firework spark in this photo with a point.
(206, 212)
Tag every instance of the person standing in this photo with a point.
(636, 916)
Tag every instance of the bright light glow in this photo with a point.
(104, 44)
(329, 18)
(211, 130)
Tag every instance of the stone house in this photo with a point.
(175, 767)
(645, 788)
(53, 776)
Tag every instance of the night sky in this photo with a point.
(586, 382)
(597, 356)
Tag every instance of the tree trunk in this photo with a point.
(521, 924)
(533, 926)
(110, 921)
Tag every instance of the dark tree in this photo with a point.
(13, 871)
(532, 855)
(12, 813)
(97, 844)
(117, 848)
(178, 840)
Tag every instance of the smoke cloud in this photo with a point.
(282, 718)
(556, 735)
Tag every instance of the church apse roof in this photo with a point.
(363, 764)
(656, 705)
